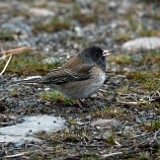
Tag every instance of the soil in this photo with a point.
(122, 120)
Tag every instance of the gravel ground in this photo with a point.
(122, 120)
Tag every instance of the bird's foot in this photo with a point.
(81, 103)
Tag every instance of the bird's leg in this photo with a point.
(80, 102)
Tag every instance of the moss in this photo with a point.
(83, 18)
(111, 140)
(141, 29)
(151, 57)
(72, 123)
(56, 97)
(6, 35)
(147, 58)
(132, 23)
(123, 89)
(90, 157)
(111, 113)
(14, 93)
(143, 157)
(153, 126)
(155, 15)
(64, 1)
(149, 33)
(53, 25)
(122, 59)
(122, 37)
(147, 80)
(29, 64)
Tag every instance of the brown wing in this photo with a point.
(64, 75)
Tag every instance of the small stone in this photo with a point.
(51, 60)
(128, 129)
(47, 104)
(41, 12)
(112, 5)
(19, 144)
(18, 28)
(106, 123)
(107, 134)
(79, 31)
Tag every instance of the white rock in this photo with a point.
(106, 123)
(41, 12)
(108, 133)
(145, 43)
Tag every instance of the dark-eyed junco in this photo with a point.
(80, 77)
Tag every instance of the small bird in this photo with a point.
(80, 77)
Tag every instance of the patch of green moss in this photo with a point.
(151, 57)
(123, 89)
(122, 59)
(111, 140)
(14, 93)
(83, 18)
(64, 1)
(90, 157)
(54, 25)
(132, 23)
(6, 35)
(155, 15)
(56, 97)
(147, 80)
(72, 123)
(153, 126)
(122, 37)
(111, 113)
(140, 28)
(149, 33)
(147, 58)
(28, 64)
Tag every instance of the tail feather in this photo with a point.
(33, 79)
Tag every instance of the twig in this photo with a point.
(80, 145)
(155, 137)
(132, 103)
(9, 59)
(20, 154)
(18, 50)
(4, 57)
(111, 155)
(102, 90)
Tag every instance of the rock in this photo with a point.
(129, 129)
(18, 28)
(51, 60)
(106, 123)
(146, 43)
(79, 31)
(112, 5)
(125, 6)
(108, 133)
(41, 12)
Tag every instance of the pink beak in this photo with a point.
(106, 53)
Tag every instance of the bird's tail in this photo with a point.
(33, 79)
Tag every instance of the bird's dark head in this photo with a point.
(96, 55)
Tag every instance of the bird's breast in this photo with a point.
(98, 75)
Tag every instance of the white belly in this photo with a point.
(98, 83)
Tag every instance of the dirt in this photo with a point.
(125, 112)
